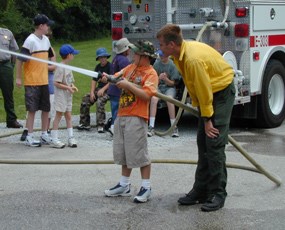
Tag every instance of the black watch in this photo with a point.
(206, 119)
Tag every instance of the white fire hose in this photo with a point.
(258, 168)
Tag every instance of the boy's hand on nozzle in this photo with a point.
(110, 78)
(123, 83)
(113, 79)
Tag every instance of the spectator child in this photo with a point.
(36, 78)
(51, 69)
(120, 61)
(98, 94)
(168, 78)
(63, 91)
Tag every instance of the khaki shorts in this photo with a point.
(130, 142)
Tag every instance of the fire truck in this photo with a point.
(249, 34)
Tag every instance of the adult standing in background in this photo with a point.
(209, 81)
(7, 62)
(120, 61)
(51, 70)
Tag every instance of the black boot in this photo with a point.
(193, 197)
(214, 203)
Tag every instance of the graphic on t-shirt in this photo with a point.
(69, 79)
(128, 98)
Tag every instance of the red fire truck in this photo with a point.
(249, 34)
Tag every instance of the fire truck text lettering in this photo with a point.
(261, 41)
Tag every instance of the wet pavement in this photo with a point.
(70, 196)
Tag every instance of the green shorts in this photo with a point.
(130, 142)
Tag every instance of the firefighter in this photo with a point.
(7, 62)
(209, 81)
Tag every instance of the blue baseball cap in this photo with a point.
(67, 49)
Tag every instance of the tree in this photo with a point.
(75, 20)
(12, 19)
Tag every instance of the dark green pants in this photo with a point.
(7, 87)
(211, 172)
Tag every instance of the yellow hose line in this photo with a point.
(78, 162)
(178, 116)
(8, 134)
(193, 111)
(258, 167)
(19, 131)
(275, 179)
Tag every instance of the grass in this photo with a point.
(86, 59)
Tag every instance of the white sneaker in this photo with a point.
(100, 129)
(45, 139)
(83, 127)
(175, 132)
(143, 195)
(118, 190)
(150, 131)
(30, 141)
(112, 129)
(56, 143)
(72, 142)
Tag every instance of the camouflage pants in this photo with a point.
(100, 109)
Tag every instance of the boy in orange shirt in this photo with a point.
(139, 83)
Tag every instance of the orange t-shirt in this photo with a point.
(36, 73)
(145, 77)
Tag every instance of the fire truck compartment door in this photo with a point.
(268, 17)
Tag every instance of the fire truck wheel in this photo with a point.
(271, 102)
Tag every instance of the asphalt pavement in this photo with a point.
(66, 191)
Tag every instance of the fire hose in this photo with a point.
(258, 168)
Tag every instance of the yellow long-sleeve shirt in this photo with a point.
(205, 72)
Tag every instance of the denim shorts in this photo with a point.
(171, 92)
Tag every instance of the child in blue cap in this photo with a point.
(98, 94)
(64, 88)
